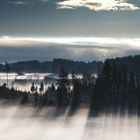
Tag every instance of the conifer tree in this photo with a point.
(63, 89)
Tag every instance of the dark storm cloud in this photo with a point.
(46, 53)
(43, 53)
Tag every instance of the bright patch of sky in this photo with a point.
(98, 5)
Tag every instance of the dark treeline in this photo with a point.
(131, 62)
(54, 66)
(116, 89)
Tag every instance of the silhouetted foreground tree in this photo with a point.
(63, 90)
(7, 68)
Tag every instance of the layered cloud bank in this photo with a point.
(89, 42)
(97, 5)
(84, 48)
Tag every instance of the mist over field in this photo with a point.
(26, 123)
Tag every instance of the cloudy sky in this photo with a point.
(76, 29)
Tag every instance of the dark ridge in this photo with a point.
(54, 66)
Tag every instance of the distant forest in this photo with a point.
(54, 66)
(132, 63)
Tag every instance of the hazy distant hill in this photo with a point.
(132, 63)
(55, 66)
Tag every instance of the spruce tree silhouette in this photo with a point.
(41, 89)
(7, 68)
(63, 90)
(33, 89)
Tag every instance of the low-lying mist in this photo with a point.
(51, 123)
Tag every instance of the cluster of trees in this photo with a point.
(13, 95)
(117, 88)
(132, 62)
(41, 97)
(52, 96)
(67, 92)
